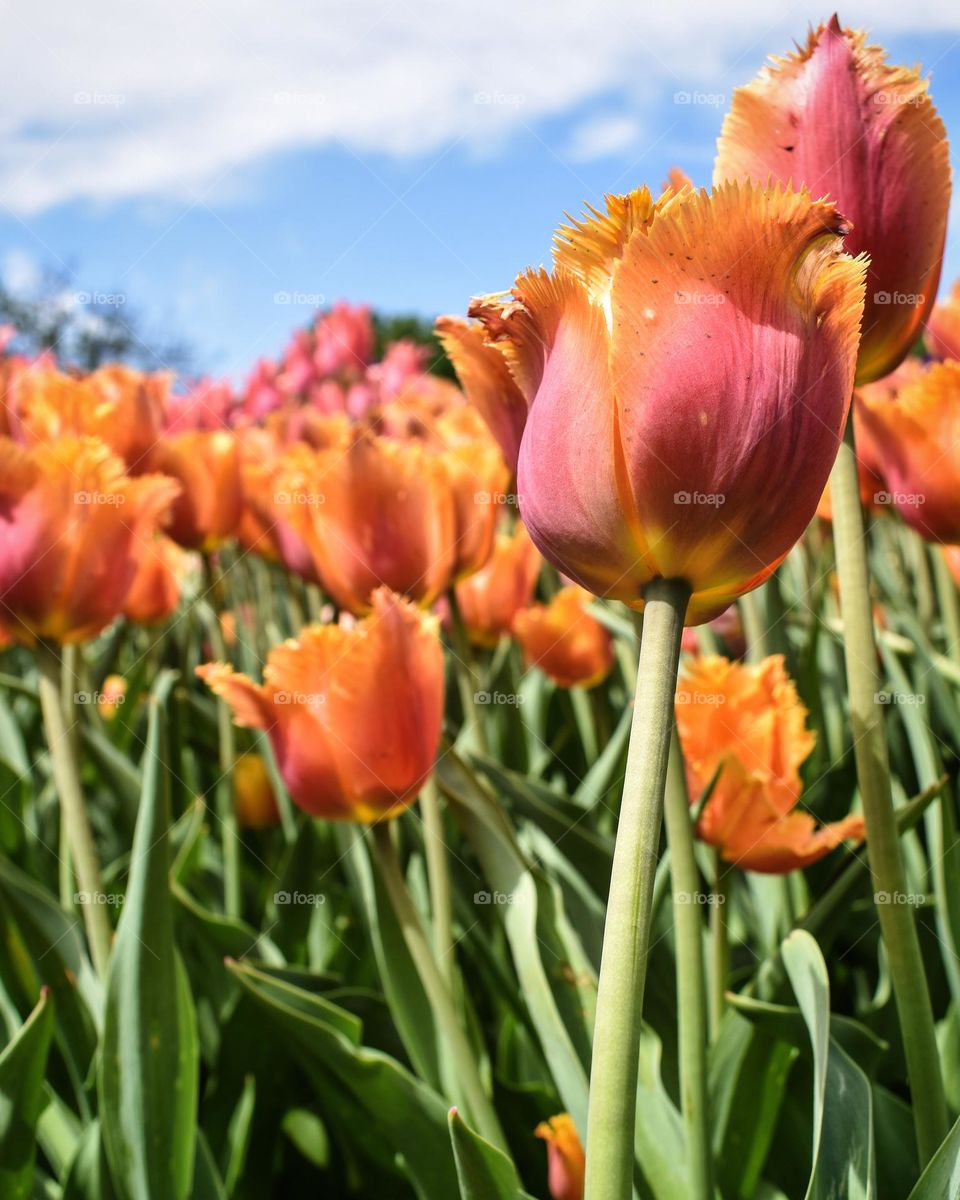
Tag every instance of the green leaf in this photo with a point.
(843, 1151)
(89, 1175)
(149, 1067)
(484, 1172)
(361, 1088)
(22, 1099)
(941, 1179)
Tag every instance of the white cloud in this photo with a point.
(599, 137)
(169, 99)
(20, 272)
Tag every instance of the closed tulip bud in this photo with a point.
(942, 335)
(490, 599)
(566, 1162)
(71, 527)
(914, 439)
(380, 512)
(111, 696)
(353, 714)
(565, 641)
(744, 728)
(207, 466)
(837, 118)
(155, 591)
(682, 356)
(254, 801)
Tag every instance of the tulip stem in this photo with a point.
(626, 935)
(897, 924)
(754, 614)
(949, 601)
(468, 681)
(438, 878)
(691, 982)
(73, 811)
(474, 1099)
(719, 945)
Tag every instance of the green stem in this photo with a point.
(474, 1098)
(922, 579)
(753, 613)
(468, 679)
(719, 945)
(949, 601)
(897, 923)
(438, 878)
(66, 774)
(626, 935)
(691, 982)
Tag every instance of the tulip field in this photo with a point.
(541, 785)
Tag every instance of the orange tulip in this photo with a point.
(71, 526)
(564, 640)
(155, 591)
(914, 439)
(490, 599)
(747, 723)
(682, 355)
(839, 119)
(353, 715)
(207, 465)
(112, 696)
(566, 1162)
(121, 406)
(253, 799)
(942, 335)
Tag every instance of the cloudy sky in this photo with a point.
(225, 167)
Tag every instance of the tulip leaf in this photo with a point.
(149, 1068)
(364, 1088)
(88, 1177)
(22, 1099)
(484, 1172)
(843, 1147)
(941, 1178)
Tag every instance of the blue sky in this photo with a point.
(206, 160)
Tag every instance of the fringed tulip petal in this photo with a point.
(565, 641)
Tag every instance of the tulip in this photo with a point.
(253, 798)
(565, 641)
(112, 695)
(72, 524)
(155, 591)
(839, 119)
(353, 715)
(207, 466)
(942, 335)
(681, 356)
(343, 340)
(914, 438)
(490, 599)
(565, 1158)
(122, 407)
(745, 726)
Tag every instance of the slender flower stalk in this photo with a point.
(75, 822)
(719, 945)
(883, 846)
(438, 878)
(949, 602)
(626, 937)
(474, 1099)
(691, 982)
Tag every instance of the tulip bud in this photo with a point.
(565, 1158)
(565, 641)
(254, 801)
